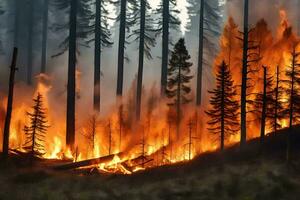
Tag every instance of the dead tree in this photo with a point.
(90, 133)
(190, 125)
(293, 75)
(264, 109)
(13, 69)
(244, 75)
(109, 137)
(121, 123)
(277, 106)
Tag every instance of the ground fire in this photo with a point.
(115, 143)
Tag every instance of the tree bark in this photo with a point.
(264, 108)
(141, 60)
(165, 46)
(276, 99)
(244, 76)
(16, 25)
(200, 55)
(29, 42)
(70, 129)
(121, 50)
(223, 109)
(291, 110)
(9, 103)
(97, 59)
(45, 36)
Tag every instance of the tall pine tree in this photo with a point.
(167, 22)
(37, 129)
(179, 77)
(145, 35)
(224, 112)
(102, 38)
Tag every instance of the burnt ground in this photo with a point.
(251, 174)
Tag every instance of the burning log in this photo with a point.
(86, 163)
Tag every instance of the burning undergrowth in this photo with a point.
(128, 145)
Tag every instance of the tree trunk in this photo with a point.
(178, 103)
(291, 111)
(244, 76)
(200, 55)
(16, 25)
(97, 59)
(122, 34)
(165, 46)
(276, 99)
(264, 108)
(141, 60)
(29, 42)
(70, 129)
(45, 36)
(223, 109)
(9, 103)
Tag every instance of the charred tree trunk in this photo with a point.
(16, 25)
(45, 36)
(190, 139)
(244, 76)
(70, 129)
(264, 109)
(9, 103)
(29, 42)
(97, 59)
(200, 55)
(291, 110)
(121, 50)
(223, 111)
(165, 46)
(178, 103)
(109, 138)
(141, 60)
(276, 99)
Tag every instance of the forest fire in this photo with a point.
(153, 142)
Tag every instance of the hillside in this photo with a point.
(252, 174)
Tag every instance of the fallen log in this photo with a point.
(86, 163)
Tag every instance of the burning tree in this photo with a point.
(277, 103)
(37, 130)
(225, 107)
(263, 102)
(268, 104)
(90, 132)
(178, 79)
(293, 75)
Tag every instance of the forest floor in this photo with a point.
(248, 175)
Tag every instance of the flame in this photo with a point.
(153, 142)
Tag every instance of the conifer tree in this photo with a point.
(36, 131)
(224, 112)
(179, 77)
(277, 107)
